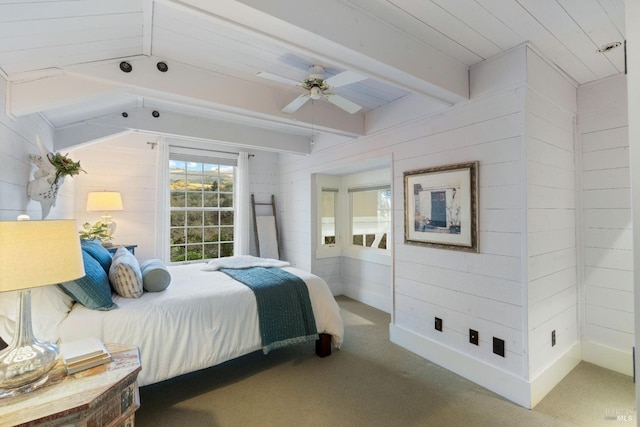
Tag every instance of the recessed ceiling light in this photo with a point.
(126, 67)
(609, 46)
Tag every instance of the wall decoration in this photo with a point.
(441, 207)
(52, 169)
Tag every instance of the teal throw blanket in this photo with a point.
(284, 307)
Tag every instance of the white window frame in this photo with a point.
(204, 157)
(343, 246)
(378, 255)
(352, 192)
(328, 183)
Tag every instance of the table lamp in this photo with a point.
(105, 201)
(33, 254)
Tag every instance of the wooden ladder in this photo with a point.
(270, 229)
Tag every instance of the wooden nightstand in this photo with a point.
(112, 249)
(103, 396)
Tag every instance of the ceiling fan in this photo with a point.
(317, 86)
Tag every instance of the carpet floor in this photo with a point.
(370, 382)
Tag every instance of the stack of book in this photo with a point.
(83, 354)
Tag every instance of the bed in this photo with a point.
(203, 318)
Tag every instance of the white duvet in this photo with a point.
(202, 319)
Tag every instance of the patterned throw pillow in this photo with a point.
(92, 290)
(125, 274)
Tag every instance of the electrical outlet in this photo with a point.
(498, 346)
(553, 338)
(473, 336)
(438, 324)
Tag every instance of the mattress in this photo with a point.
(202, 319)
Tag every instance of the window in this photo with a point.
(370, 216)
(202, 210)
(328, 216)
(353, 215)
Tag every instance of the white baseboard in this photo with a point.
(506, 384)
(518, 390)
(550, 377)
(607, 357)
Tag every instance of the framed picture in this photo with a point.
(441, 207)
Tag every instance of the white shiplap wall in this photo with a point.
(481, 291)
(294, 210)
(128, 164)
(608, 328)
(551, 225)
(330, 269)
(367, 281)
(263, 183)
(17, 143)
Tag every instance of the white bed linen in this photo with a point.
(202, 319)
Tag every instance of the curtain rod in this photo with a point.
(153, 145)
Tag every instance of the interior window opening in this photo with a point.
(370, 216)
(328, 216)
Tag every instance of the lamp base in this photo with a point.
(10, 392)
(25, 364)
(111, 225)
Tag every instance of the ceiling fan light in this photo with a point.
(315, 92)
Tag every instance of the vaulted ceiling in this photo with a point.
(62, 60)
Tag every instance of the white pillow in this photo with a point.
(50, 305)
(125, 275)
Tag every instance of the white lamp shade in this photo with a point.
(104, 201)
(39, 253)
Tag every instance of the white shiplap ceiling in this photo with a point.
(61, 56)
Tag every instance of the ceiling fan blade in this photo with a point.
(277, 78)
(345, 104)
(296, 103)
(344, 78)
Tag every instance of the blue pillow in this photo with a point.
(93, 290)
(155, 276)
(98, 252)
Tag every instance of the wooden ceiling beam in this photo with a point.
(181, 84)
(341, 34)
(181, 126)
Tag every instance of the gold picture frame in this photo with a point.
(441, 207)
